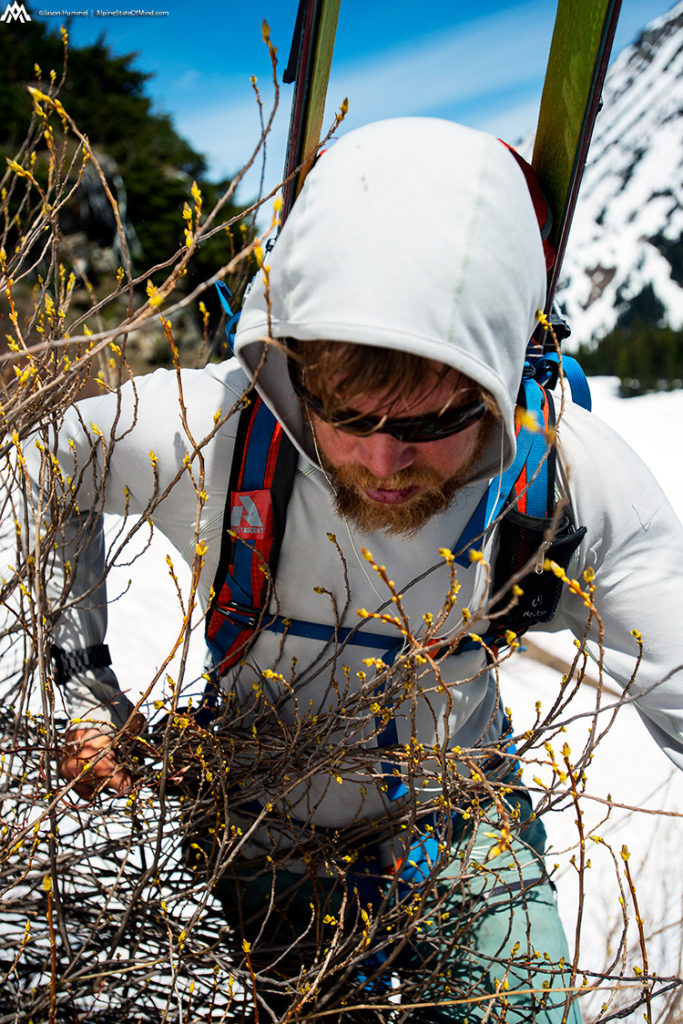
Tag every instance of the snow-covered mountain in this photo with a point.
(626, 244)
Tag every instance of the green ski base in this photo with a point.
(577, 63)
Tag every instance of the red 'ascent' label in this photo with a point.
(251, 514)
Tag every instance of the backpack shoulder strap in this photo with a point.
(261, 482)
(528, 532)
(524, 498)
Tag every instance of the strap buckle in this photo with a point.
(245, 616)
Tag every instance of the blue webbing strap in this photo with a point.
(545, 368)
(326, 634)
(387, 736)
(224, 294)
(535, 444)
(531, 446)
(576, 378)
(424, 851)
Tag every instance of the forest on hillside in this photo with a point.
(151, 173)
(641, 350)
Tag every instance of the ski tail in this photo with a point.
(577, 65)
(309, 65)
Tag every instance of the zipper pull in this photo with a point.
(540, 557)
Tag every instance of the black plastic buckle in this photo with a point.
(246, 616)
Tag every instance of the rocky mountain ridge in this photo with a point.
(625, 253)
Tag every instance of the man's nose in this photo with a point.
(382, 454)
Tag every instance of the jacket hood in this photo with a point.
(410, 233)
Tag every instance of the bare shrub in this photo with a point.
(109, 910)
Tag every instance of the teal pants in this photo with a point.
(480, 938)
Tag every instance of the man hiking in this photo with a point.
(384, 347)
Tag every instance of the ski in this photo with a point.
(309, 64)
(577, 64)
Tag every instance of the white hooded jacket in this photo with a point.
(416, 234)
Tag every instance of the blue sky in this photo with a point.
(477, 61)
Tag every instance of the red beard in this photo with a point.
(350, 482)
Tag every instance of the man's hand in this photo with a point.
(83, 746)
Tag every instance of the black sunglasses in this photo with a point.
(409, 429)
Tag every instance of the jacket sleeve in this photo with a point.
(131, 455)
(92, 696)
(634, 546)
